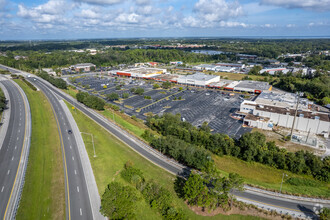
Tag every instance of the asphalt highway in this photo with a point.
(306, 208)
(290, 205)
(11, 149)
(77, 197)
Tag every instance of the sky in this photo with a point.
(85, 19)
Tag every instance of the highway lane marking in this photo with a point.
(75, 172)
(19, 164)
(17, 138)
(2, 188)
(19, 130)
(15, 147)
(80, 212)
(12, 158)
(72, 158)
(8, 172)
(70, 147)
(78, 188)
(64, 157)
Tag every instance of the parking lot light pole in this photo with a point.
(92, 141)
(282, 181)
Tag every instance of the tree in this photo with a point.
(325, 214)
(193, 188)
(112, 96)
(139, 91)
(125, 95)
(119, 201)
(166, 85)
(156, 86)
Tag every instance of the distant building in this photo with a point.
(85, 67)
(278, 109)
(141, 72)
(207, 67)
(176, 63)
(237, 65)
(152, 63)
(49, 71)
(198, 79)
(272, 71)
(247, 56)
(225, 69)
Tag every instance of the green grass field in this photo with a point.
(112, 154)
(267, 177)
(43, 195)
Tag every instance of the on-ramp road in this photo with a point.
(14, 150)
(77, 197)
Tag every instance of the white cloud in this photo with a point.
(142, 2)
(217, 10)
(318, 5)
(100, 2)
(290, 25)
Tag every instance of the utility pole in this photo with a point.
(92, 141)
(295, 114)
(282, 182)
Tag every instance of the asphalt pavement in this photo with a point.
(77, 195)
(305, 208)
(14, 150)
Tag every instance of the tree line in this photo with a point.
(90, 101)
(250, 147)
(59, 83)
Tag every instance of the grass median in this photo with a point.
(112, 154)
(43, 194)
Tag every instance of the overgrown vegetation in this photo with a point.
(59, 83)
(250, 147)
(90, 101)
(2, 101)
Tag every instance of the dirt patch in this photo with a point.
(236, 210)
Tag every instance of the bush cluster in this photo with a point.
(90, 101)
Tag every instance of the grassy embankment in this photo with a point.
(43, 195)
(253, 173)
(112, 154)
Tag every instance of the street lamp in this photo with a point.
(92, 141)
(282, 181)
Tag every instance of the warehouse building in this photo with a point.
(86, 67)
(235, 65)
(252, 87)
(278, 109)
(272, 71)
(225, 69)
(198, 79)
(141, 72)
(205, 67)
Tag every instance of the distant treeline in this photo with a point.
(58, 82)
(190, 145)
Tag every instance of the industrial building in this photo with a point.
(225, 69)
(141, 72)
(205, 67)
(235, 65)
(248, 86)
(272, 71)
(198, 79)
(86, 67)
(279, 109)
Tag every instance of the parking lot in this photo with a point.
(195, 105)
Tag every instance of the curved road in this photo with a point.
(77, 197)
(13, 152)
(303, 208)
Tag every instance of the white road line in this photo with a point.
(72, 158)
(12, 158)
(75, 172)
(2, 188)
(19, 130)
(68, 138)
(8, 172)
(80, 212)
(15, 147)
(64, 123)
(70, 147)
(78, 188)
(17, 138)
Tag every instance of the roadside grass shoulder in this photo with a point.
(112, 154)
(268, 177)
(43, 194)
